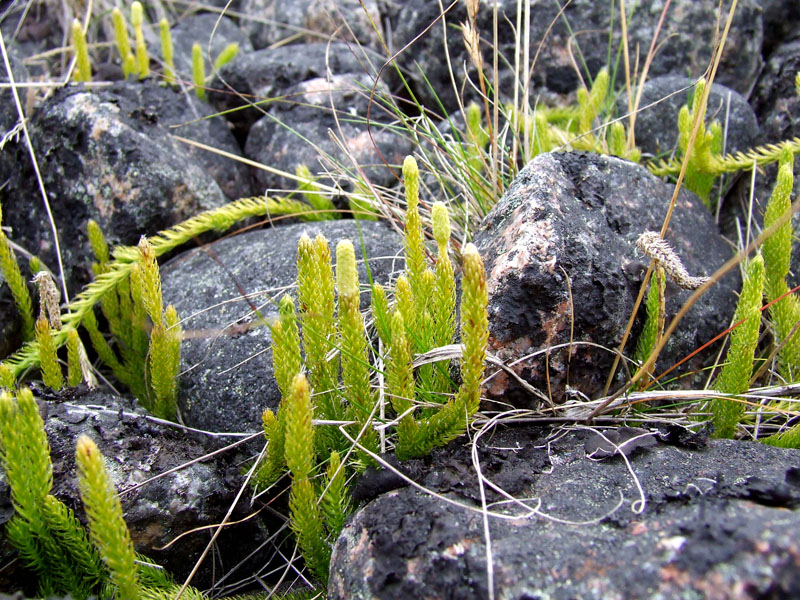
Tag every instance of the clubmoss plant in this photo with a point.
(734, 377)
(167, 51)
(142, 57)
(653, 329)
(305, 515)
(16, 283)
(74, 372)
(785, 312)
(354, 346)
(51, 370)
(311, 193)
(123, 43)
(51, 541)
(198, 71)
(83, 68)
(48, 537)
(107, 529)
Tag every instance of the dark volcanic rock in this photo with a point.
(657, 125)
(301, 132)
(708, 521)
(107, 154)
(686, 42)
(137, 448)
(780, 22)
(313, 21)
(226, 380)
(200, 29)
(264, 76)
(563, 236)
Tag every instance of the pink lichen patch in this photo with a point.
(361, 145)
(526, 242)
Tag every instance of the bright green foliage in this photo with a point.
(286, 362)
(312, 194)
(654, 322)
(7, 378)
(74, 374)
(142, 58)
(734, 378)
(112, 277)
(413, 240)
(700, 172)
(474, 329)
(315, 288)
(591, 102)
(419, 437)
(164, 362)
(271, 468)
(123, 43)
(286, 346)
(785, 313)
(167, 51)
(335, 502)
(305, 517)
(148, 362)
(399, 370)
(443, 314)
(380, 311)
(226, 55)
(356, 370)
(83, 68)
(51, 370)
(797, 83)
(50, 540)
(299, 447)
(149, 282)
(16, 283)
(477, 138)
(400, 388)
(107, 528)
(198, 71)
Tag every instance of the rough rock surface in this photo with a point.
(300, 132)
(200, 29)
(710, 522)
(313, 21)
(226, 380)
(264, 76)
(563, 236)
(686, 42)
(137, 448)
(109, 156)
(657, 125)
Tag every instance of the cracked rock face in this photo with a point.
(561, 264)
(714, 519)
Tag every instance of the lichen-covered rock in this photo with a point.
(108, 154)
(313, 20)
(136, 449)
(562, 266)
(707, 521)
(227, 380)
(557, 39)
